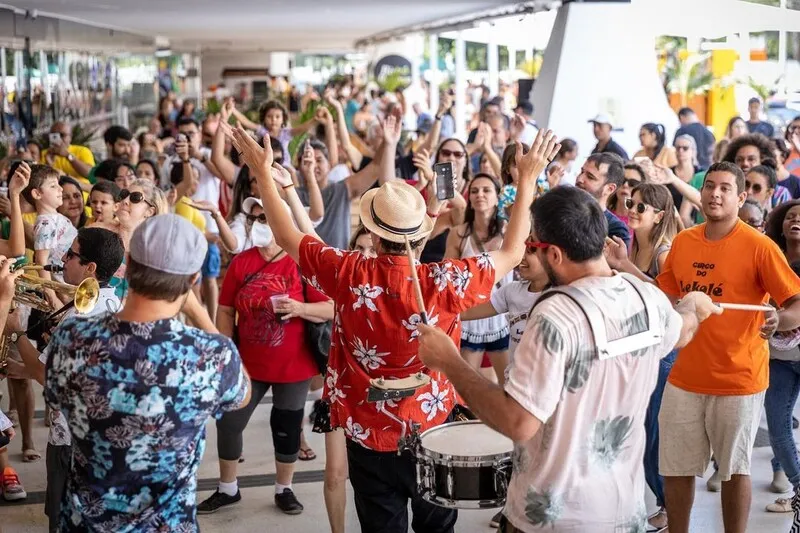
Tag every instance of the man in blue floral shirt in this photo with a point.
(137, 388)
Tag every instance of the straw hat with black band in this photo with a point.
(395, 211)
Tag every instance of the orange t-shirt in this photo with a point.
(727, 356)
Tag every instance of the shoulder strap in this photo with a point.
(606, 349)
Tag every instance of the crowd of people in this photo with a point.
(229, 265)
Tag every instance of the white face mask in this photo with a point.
(261, 234)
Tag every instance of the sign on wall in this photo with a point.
(395, 65)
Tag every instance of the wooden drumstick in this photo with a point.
(746, 307)
(415, 281)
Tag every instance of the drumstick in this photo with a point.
(415, 281)
(746, 307)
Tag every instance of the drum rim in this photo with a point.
(462, 460)
(463, 504)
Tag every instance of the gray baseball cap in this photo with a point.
(169, 244)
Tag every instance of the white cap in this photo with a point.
(247, 205)
(602, 118)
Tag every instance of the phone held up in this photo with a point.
(54, 138)
(445, 189)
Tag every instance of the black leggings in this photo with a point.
(286, 421)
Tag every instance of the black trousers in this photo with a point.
(383, 482)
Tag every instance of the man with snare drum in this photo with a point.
(376, 327)
(577, 390)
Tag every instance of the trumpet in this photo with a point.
(84, 298)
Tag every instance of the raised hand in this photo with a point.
(308, 162)
(281, 175)
(517, 125)
(20, 179)
(392, 128)
(445, 103)
(485, 134)
(616, 252)
(554, 174)
(422, 160)
(329, 96)
(258, 159)
(544, 149)
(7, 280)
(323, 116)
(226, 110)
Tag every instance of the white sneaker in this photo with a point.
(714, 484)
(780, 483)
(781, 505)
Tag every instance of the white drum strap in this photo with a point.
(594, 315)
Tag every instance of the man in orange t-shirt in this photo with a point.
(715, 392)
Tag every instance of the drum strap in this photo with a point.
(607, 349)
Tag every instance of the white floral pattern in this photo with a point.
(461, 280)
(485, 261)
(434, 401)
(365, 296)
(441, 275)
(367, 355)
(354, 431)
(335, 394)
(415, 320)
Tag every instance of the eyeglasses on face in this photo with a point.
(632, 182)
(257, 218)
(134, 197)
(458, 154)
(639, 207)
(531, 246)
(755, 187)
(71, 254)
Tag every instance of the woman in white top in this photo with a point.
(482, 231)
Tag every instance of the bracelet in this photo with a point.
(284, 187)
(433, 215)
(438, 117)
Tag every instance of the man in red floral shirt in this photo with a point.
(375, 326)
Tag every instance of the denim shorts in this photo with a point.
(213, 262)
(500, 345)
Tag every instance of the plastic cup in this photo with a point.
(274, 300)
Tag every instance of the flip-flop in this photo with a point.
(309, 454)
(30, 455)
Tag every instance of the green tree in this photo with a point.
(502, 62)
(477, 56)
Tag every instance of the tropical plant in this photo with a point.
(688, 75)
(763, 91)
(392, 81)
(307, 114)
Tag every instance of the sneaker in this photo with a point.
(216, 501)
(495, 521)
(12, 488)
(781, 505)
(780, 483)
(714, 484)
(287, 502)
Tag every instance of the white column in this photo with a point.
(3, 75)
(782, 51)
(528, 54)
(461, 87)
(492, 63)
(433, 48)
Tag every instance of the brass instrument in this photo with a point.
(84, 297)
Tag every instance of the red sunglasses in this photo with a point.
(531, 246)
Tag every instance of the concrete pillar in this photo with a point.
(433, 47)
(492, 63)
(782, 52)
(461, 87)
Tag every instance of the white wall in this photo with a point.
(213, 63)
(600, 59)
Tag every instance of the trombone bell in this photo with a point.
(87, 293)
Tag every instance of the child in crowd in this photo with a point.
(104, 200)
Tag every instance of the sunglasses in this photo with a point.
(630, 182)
(640, 207)
(458, 154)
(756, 187)
(134, 197)
(71, 254)
(531, 246)
(257, 218)
(680, 148)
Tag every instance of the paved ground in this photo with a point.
(257, 511)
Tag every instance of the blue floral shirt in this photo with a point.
(136, 397)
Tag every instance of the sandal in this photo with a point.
(30, 455)
(306, 454)
(657, 529)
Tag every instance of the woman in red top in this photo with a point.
(274, 351)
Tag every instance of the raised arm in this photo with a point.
(382, 168)
(316, 207)
(530, 165)
(282, 177)
(488, 151)
(19, 181)
(259, 160)
(325, 118)
(432, 139)
(243, 120)
(353, 155)
(225, 168)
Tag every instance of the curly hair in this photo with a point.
(774, 225)
(761, 142)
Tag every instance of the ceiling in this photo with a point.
(279, 25)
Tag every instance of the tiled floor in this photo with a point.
(257, 511)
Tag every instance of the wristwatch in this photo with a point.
(17, 335)
(70, 158)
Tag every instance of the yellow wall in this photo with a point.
(721, 100)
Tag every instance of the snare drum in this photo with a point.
(464, 465)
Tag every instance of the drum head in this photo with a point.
(471, 441)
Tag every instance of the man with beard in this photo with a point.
(601, 175)
(118, 143)
(574, 403)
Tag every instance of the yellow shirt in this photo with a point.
(192, 214)
(63, 165)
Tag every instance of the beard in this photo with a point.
(551, 274)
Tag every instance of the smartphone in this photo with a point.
(4, 440)
(55, 138)
(444, 181)
(182, 138)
